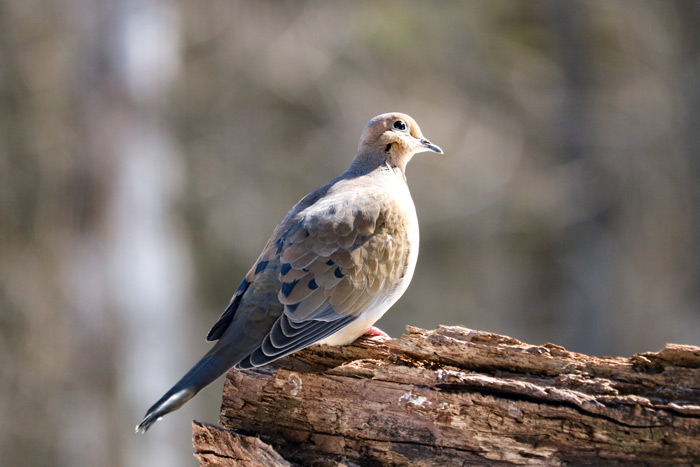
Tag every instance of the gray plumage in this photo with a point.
(335, 264)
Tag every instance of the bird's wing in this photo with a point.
(327, 262)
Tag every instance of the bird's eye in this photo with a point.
(400, 125)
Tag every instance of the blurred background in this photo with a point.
(148, 149)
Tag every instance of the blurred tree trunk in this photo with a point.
(689, 18)
(130, 59)
(454, 396)
(91, 261)
(583, 260)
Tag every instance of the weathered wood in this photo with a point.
(218, 447)
(454, 396)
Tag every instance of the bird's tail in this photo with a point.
(204, 372)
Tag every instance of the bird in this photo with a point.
(339, 259)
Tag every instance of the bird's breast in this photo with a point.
(400, 236)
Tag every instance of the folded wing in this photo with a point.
(325, 265)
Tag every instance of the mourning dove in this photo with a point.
(334, 265)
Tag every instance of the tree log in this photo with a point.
(454, 396)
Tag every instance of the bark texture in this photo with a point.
(454, 396)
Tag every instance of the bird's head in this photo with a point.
(397, 137)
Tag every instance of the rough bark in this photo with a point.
(455, 396)
(218, 446)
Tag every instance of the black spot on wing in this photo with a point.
(287, 287)
(244, 285)
(226, 317)
(261, 266)
(286, 267)
(280, 242)
(330, 262)
(338, 273)
(312, 284)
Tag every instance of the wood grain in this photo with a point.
(454, 396)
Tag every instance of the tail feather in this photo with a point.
(204, 372)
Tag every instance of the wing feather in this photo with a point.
(330, 259)
(314, 333)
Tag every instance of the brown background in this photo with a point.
(147, 150)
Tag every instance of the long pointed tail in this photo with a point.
(204, 372)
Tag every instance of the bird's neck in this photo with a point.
(367, 162)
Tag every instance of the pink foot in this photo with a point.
(376, 332)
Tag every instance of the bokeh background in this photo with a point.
(148, 149)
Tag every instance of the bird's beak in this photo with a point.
(430, 146)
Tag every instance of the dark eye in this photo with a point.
(400, 125)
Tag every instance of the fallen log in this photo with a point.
(454, 396)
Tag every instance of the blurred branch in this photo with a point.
(454, 396)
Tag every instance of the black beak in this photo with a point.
(430, 146)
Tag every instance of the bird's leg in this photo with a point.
(376, 332)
